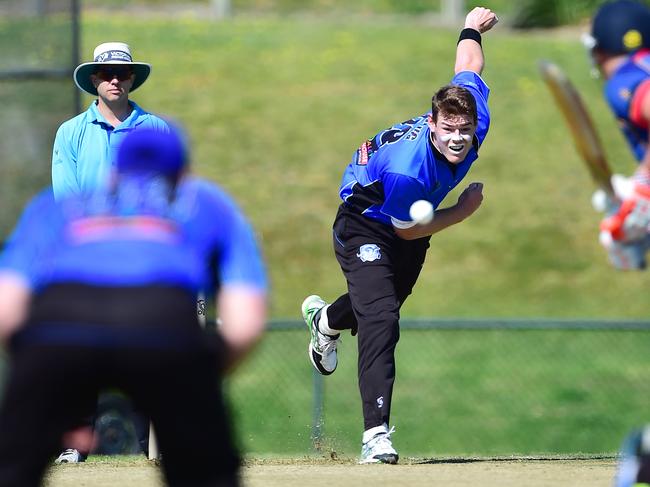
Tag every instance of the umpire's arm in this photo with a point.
(64, 166)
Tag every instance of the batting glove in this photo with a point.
(631, 222)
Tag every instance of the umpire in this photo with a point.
(102, 291)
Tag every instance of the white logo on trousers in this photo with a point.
(369, 252)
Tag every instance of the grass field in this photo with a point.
(472, 392)
(508, 472)
(32, 109)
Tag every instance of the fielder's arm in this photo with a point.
(242, 311)
(15, 296)
(469, 54)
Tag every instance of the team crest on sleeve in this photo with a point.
(369, 253)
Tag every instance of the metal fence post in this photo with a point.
(452, 11)
(221, 9)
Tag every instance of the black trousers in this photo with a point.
(142, 342)
(381, 270)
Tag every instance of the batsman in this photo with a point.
(619, 45)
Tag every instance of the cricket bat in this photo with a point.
(579, 121)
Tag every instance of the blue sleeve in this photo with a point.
(226, 232)
(64, 164)
(617, 94)
(25, 251)
(400, 192)
(475, 84)
(158, 123)
(240, 261)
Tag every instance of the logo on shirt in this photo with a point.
(364, 152)
(632, 39)
(625, 93)
(369, 253)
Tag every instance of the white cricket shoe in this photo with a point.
(69, 456)
(322, 347)
(377, 447)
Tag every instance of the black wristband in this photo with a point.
(470, 34)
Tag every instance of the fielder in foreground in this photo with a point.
(380, 247)
(619, 44)
(104, 295)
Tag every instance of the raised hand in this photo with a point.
(631, 222)
(481, 19)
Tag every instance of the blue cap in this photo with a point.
(147, 151)
(621, 26)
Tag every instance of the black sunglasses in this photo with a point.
(107, 74)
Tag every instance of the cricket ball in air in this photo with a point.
(421, 212)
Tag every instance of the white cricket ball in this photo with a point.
(421, 212)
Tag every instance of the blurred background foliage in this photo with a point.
(519, 14)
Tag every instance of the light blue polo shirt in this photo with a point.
(85, 148)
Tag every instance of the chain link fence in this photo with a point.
(481, 387)
(38, 52)
(463, 389)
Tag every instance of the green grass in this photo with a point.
(31, 109)
(408, 7)
(471, 392)
(35, 42)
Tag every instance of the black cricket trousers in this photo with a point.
(144, 341)
(381, 270)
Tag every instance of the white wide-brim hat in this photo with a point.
(110, 53)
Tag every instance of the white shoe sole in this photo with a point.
(390, 460)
